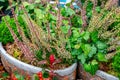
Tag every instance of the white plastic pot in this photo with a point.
(30, 68)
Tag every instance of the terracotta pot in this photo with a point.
(11, 64)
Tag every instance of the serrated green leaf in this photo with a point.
(39, 13)
(81, 58)
(65, 29)
(76, 33)
(101, 45)
(86, 36)
(86, 48)
(101, 57)
(92, 51)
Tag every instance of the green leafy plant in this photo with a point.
(115, 63)
(40, 35)
(87, 48)
(5, 36)
(102, 21)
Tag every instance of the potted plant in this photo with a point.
(99, 26)
(39, 43)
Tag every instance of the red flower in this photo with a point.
(40, 75)
(14, 78)
(52, 59)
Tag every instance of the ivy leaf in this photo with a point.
(81, 58)
(94, 36)
(101, 57)
(93, 51)
(101, 45)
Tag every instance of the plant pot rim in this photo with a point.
(31, 68)
(105, 75)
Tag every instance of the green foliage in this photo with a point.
(88, 49)
(5, 35)
(116, 62)
(5, 74)
(39, 54)
(91, 67)
(67, 12)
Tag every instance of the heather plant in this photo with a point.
(45, 37)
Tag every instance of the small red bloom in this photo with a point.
(40, 75)
(52, 59)
(41, 79)
(14, 78)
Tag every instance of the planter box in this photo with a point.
(100, 75)
(11, 64)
